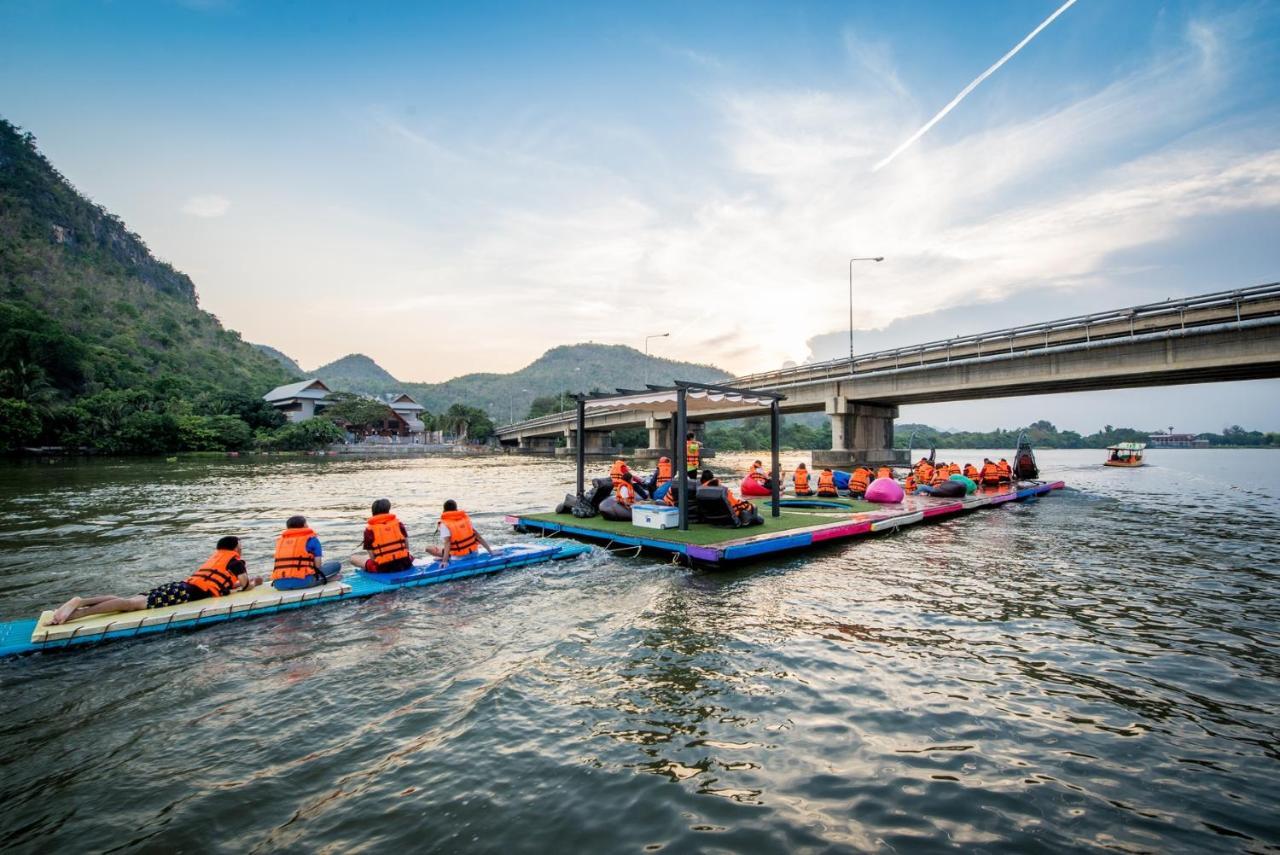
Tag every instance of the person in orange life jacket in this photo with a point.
(990, 473)
(299, 558)
(222, 573)
(909, 486)
(386, 542)
(624, 490)
(858, 481)
(692, 454)
(801, 479)
(1005, 470)
(756, 473)
(827, 484)
(971, 472)
(739, 506)
(457, 536)
(884, 472)
(661, 476)
(616, 472)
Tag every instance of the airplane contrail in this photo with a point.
(974, 85)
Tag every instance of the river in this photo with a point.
(1093, 670)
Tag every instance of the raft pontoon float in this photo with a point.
(35, 635)
(791, 523)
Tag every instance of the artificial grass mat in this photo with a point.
(703, 535)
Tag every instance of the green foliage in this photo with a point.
(360, 415)
(313, 434)
(753, 435)
(633, 437)
(19, 424)
(105, 343)
(214, 433)
(1238, 436)
(466, 423)
(545, 405)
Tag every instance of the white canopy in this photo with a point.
(664, 401)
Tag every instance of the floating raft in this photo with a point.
(29, 636)
(803, 523)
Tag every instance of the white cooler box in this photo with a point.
(655, 516)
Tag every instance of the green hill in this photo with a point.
(289, 365)
(573, 368)
(101, 343)
(358, 373)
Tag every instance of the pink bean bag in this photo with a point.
(884, 490)
(752, 487)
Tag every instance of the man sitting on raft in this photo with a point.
(827, 484)
(299, 558)
(386, 542)
(801, 478)
(458, 537)
(222, 573)
(756, 473)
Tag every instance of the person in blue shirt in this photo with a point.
(299, 558)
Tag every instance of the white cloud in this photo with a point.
(208, 206)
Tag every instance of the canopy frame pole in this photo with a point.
(682, 463)
(581, 450)
(775, 429)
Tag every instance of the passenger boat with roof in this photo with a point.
(1126, 454)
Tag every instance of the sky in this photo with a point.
(458, 187)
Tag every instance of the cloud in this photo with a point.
(208, 206)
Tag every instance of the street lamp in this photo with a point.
(851, 261)
(646, 353)
(511, 407)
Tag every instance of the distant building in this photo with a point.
(299, 401)
(1176, 440)
(409, 411)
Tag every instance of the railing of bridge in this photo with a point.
(1100, 326)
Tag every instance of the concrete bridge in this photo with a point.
(1229, 335)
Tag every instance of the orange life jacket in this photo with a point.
(940, 476)
(388, 543)
(924, 472)
(990, 473)
(802, 480)
(664, 471)
(214, 577)
(624, 493)
(884, 472)
(858, 481)
(462, 534)
(971, 472)
(692, 455)
(953, 469)
(827, 483)
(619, 466)
(756, 475)
(292, 559)
(738, 505)
(910, 485)
(1006, 472)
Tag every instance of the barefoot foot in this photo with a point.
(65, 611)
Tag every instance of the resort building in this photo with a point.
(299, 401)
(1176, 440)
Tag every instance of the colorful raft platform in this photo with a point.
(802, 523)
(31, 636)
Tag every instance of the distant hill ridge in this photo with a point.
(86, 307)
(572, 368)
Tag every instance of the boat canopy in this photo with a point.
(1127, 446)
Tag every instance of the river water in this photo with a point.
(1093, 670)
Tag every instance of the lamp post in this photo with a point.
(646, 353)
(511, 407)
(851, 261)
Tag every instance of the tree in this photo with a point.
(360, 415)
(466, 422)
(303, 436)
(19, 424)
(545, 405)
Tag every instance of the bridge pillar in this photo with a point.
(860, 433)
(538, 444)
(597, 444)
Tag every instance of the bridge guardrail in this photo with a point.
(1099, 326)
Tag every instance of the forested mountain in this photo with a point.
(101, 344)
(573, 368)
(289, 365)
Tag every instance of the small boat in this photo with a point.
(1024, 460)
(1126, 454)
